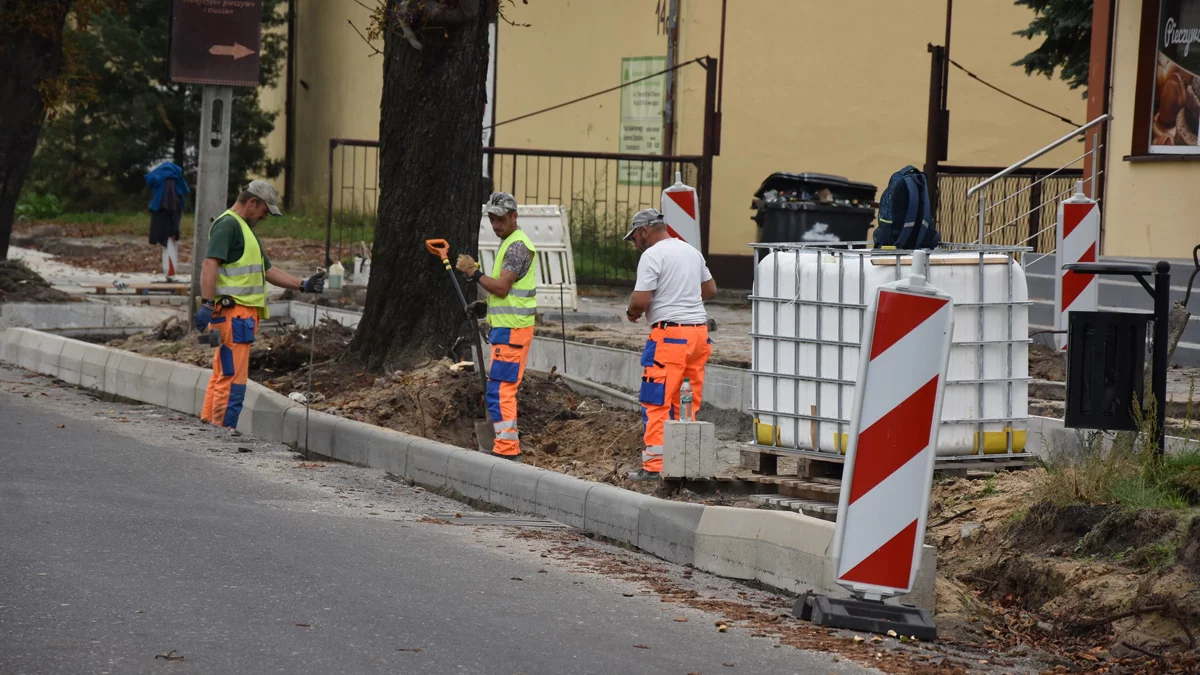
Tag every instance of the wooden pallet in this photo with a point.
(808, 507)
(141, 289)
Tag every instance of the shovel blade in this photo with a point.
(485, 435)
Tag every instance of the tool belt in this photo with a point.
(672, 324)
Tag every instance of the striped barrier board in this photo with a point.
(888, 473)
(680, 207)
(1078, 242)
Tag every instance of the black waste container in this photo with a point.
(813, 208)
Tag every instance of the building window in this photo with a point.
(1169, 87)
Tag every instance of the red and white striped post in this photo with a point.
(1078, 241)
(679, 208)
(894, 425)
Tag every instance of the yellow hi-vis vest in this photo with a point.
(519, 309)
(244, 279)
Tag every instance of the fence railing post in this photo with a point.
(329, 208)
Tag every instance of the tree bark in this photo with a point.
(430, 154)
(30, 53)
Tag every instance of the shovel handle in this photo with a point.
(438, 247)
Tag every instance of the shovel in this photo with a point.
(484, 432)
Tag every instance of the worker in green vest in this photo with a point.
(511, 312)
(233, 291)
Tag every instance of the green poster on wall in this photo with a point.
(642, 119)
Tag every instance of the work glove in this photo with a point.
(466, 264)
(314, 284)
(204, 315)
(479, 309)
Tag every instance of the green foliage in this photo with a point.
(1066, 30)
(596, 233)
(33, 206)
(95, 153)
(1151, 558)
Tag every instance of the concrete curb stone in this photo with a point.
(668, 529)
(613, 512)
(181, 388)
(469, 473)
(561, 497)
(514, 486)
(727, 541)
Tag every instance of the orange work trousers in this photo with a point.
(231, 365)
(672, 354)
(510, 351)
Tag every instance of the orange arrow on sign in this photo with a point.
(235, 50)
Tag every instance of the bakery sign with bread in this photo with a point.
(1176, 107)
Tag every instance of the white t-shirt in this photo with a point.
(673, 270)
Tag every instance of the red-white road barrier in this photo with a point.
(1078, 241)
(680, 208)
(893, 437)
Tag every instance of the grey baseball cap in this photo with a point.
(501, 204)
(642, 219)
(264, 191)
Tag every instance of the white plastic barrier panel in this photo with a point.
(547, 228)
(1078, 241)
(893, 435)
(680, 207)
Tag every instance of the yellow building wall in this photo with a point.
(810, 85)
(338, 89)
(1149, 208)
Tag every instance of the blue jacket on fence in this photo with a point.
(156, 179)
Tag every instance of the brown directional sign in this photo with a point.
(216, 42)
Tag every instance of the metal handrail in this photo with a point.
(1083, 129)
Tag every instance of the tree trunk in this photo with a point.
(430, 154)
(28, 57)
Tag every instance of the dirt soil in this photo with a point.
(18, 283)
(1046, 363)
(121, 254)
(1095, 586)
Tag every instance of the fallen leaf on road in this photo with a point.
(858, 639)
(628, 595)
(517, 579)
(891, 633)
(727, 665)
(62, 426)
(409, 649)
(169, 656)
(542, 572)
(304, 625)
(876, 639)
(641, 647)
(681, 619)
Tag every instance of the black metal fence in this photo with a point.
(353, 198)
(599, 191)
(1021, 207)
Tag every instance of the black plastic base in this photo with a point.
(866, 615)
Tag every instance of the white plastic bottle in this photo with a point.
(685, 402)
(336, 274)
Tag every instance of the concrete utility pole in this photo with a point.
(212, 179)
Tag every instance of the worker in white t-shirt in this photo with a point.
(672, 284)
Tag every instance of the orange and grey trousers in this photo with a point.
(231, 365)
(673, 352)
(510, 351)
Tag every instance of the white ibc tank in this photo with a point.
(809, 308)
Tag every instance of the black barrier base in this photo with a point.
(866, 615)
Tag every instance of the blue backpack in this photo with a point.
(905, 218)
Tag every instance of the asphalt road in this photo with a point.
(129, 531)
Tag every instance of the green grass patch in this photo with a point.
(1152, 557)
(300, 225)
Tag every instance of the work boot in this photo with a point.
(641, 475)
(511, 458)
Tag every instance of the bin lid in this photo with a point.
(841, 188)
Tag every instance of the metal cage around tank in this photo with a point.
(854, 269)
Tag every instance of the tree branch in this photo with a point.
(375, 50)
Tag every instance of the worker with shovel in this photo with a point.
(511, 312)
(673, 282)
(233, 291)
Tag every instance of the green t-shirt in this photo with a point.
(225, 241)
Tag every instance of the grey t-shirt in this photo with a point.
(674, 271)
(517, 259)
